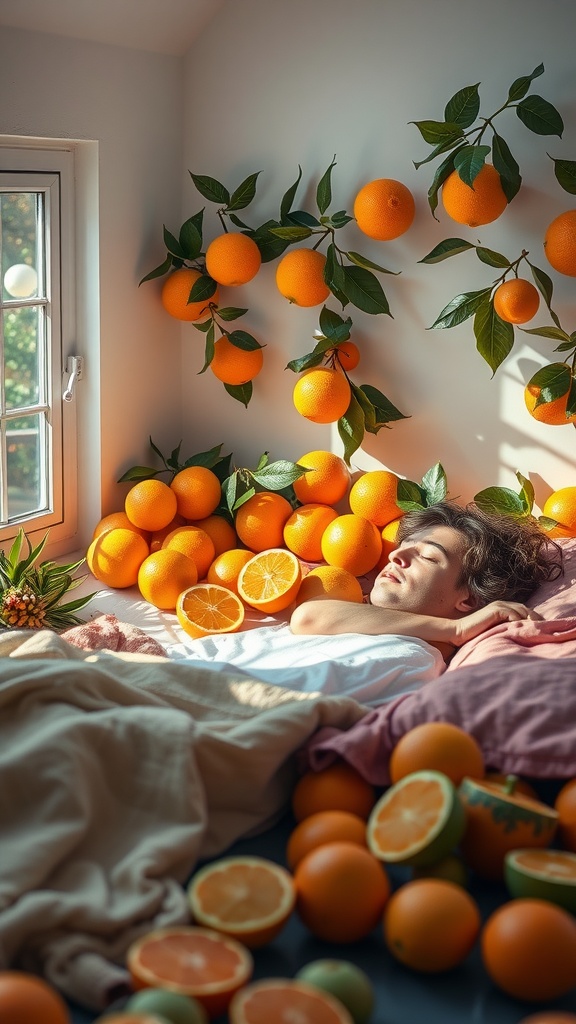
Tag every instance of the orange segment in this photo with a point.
(284, 1000)
(247, 898)
(196, 962)
(270, 581)
(207, 608)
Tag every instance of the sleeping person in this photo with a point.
(454, 574)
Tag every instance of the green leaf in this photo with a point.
(544, 284)
(278, 475)
(288, 197)
(173, 245)
(291, 234)
(204, 325)
(469, 161)
(366, 407)
(460, 309)
(494, 337)
(270, 247)
(435, 484)
(520, 87)
(449, 247)
(491, 257)
(245, 193)
(324, 190)
(540, 116)
(464, 106)
(208, 348)
(303, 219)
(505, 164)
(442, 172)
(571, 400)
(211, 189)
(231, 312)
(190, 239)
(334, 272)
(554, 381)
(157, 451)
(243, 340)
(439, 132)
(410, 496)
(384, 411)
(565, 171)
(158, 271)
(552, 333)
(209, 459)
(333, 326)
(500, 501)
(305, 362)
(364, 291)
(443, 147)
(527, 492)
(241, 392)
(203, 288)
(138, 473)
(362, 261)
(351, 428)
(240, 224)
(340, 219)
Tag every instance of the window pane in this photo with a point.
(25, 464)
(21, 364)
(19, 244)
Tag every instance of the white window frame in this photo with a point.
(29, 168)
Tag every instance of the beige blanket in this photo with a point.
(117, 773)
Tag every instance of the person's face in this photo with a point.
(421, 575)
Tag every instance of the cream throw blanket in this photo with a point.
(118, 772)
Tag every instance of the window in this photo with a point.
(37, 374)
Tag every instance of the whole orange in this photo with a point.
(115, 557)
(474, 205)
(341, 891)
(327, 479)
(226, 567)
(304, 529)
(340, 787)
(197, 491)
(300, 277)
(322, 394)
(565, 804)
(195, 543)
(516, 301)
(373, 496)
(384, 209)
(331, 582)
(549, 1017)
(233, 259)
(439, 746)
(529, 949)
(560, 243)
(347, 354)
(221, 532)
(234, 365)
(324, 827)
(260, 520)
(176, 291)
(389, 541)
(561, 506)
(150, 504)
(118, 521)
(554, 411)
(159, 536)
(27, 999)
(431, 924)
(164, 575)
(352, 542)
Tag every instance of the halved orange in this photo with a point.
(270, 581)
(208, 608)
(545, 874)
(282, 999)
(196, 962)
(417, 821)
(247, 898)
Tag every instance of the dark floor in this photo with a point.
(464, 995)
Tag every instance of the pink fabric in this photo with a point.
(106, 632)
(537, 638)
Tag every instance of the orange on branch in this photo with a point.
(233, 259)
(481, 203)
(560, 243)
(176, 291)
(384, 209)
(234, 365)
(348, 355)
(300, 277)
(322, 394)
(516, 301)
(561, 506)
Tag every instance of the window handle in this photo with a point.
(74, 366)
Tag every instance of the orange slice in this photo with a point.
(270, 581)
(281, 999)
(247, 898)
(208, 608)
(195, 962)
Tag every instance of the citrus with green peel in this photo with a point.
(344, 980)
(418, 821)
(173, 1006)
(544, 874)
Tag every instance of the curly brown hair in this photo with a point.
(505, 558)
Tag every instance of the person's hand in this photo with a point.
(484, 618)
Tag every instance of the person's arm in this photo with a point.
(325, 617)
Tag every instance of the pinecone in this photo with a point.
(22, 609)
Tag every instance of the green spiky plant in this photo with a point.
(31, 591)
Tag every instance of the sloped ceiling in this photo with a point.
(158, 26)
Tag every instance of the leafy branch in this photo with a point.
(506, 502)
(348, 274)
(555, 380)
(244, 483)
(460, 136)
(369, 410)
(494, 336)
(240, 339)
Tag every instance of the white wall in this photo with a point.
(275, 84)
(130, 104)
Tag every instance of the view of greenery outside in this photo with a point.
(21, 324)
